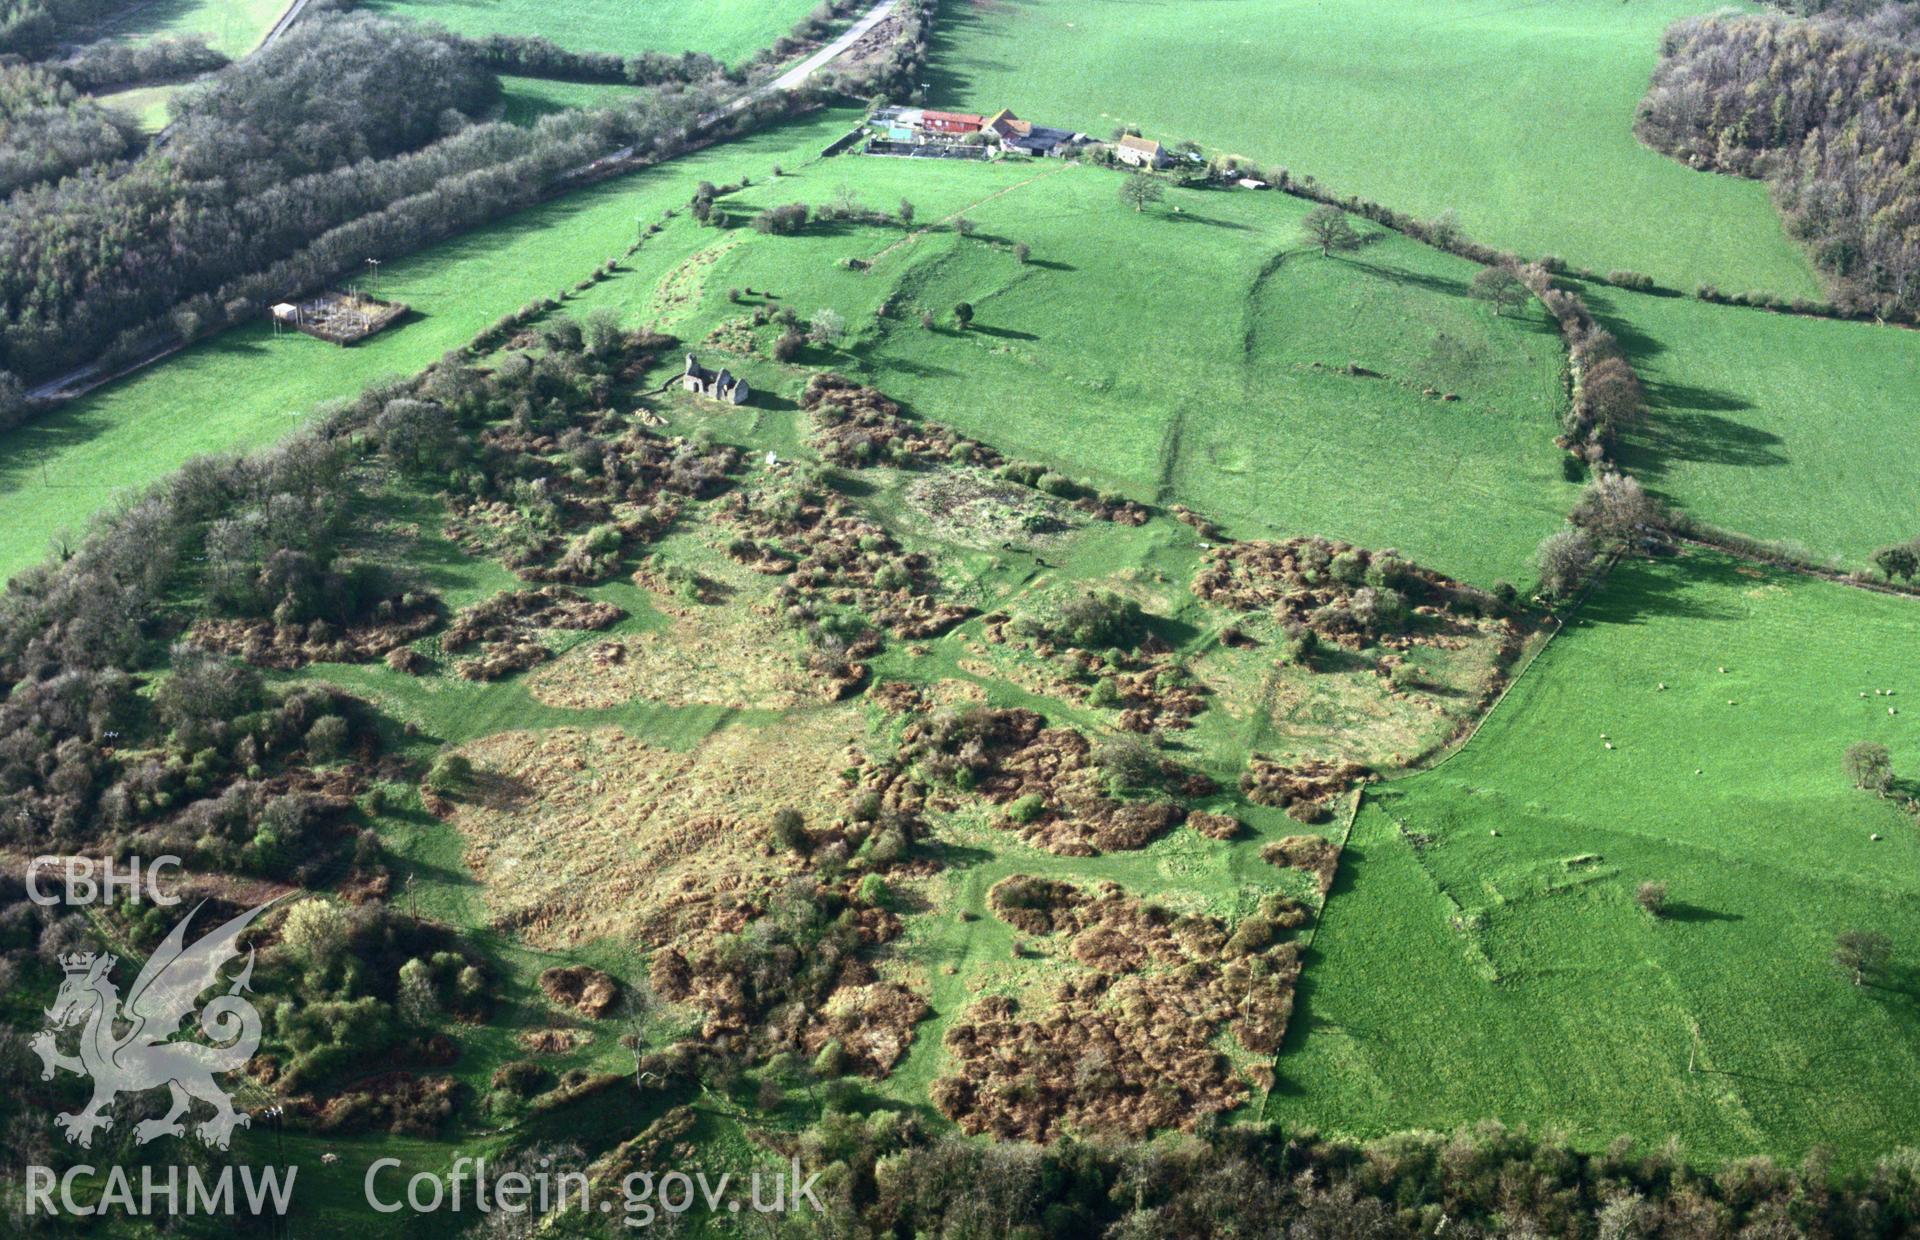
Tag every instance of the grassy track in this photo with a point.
(1472, 974)
(1772, 426)
(728, 29)
(1517, 116)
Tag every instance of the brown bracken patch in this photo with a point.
(551, 1041)
(834, 557)
(502, 627)
(264, 643)
(1316, 854)
(1214, 826)
(1009, 756)
(1309, 785)
(1127, 1043)
(583, 988)
(1333, 588)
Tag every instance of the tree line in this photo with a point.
(115, 62)
(351, 138)
(1827, 110)
(532, 56)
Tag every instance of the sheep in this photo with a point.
(1609, 744)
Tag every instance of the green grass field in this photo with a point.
(1519, 117)
(731, 30)
(1483, 955)
(150, 107)
(524, 100)
(231, 26)
(1772, 426)
(1244, 411)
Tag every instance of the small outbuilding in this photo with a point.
(897, 124)
(718, 385)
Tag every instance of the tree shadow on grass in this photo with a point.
(1637, 591)
(1194, 217)
(1706, 438)
(851, 484)
(1680, 911)
(1000, 333)
(1411, 279)
(1637, 343)
(918, 369)
(950, 855)
(1174, 632)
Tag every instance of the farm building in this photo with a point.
(1042, 140)
(1141, 152)
(951, 122)
(714, 385)
(1005, 126)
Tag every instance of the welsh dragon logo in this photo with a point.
(126, 1048)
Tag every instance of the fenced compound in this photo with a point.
(925, 150)
(342, 318)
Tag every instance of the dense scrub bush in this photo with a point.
(782, 221)
(31, 25)
(1090, 620)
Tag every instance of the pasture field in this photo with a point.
(150, 107)
(231, 26)
(1484, 956)
(1518, 117)
(730, 30)
(1194, 351)
(524, 100)
(1773, 426)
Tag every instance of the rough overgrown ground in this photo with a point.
(622, 800)
(624, 783)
